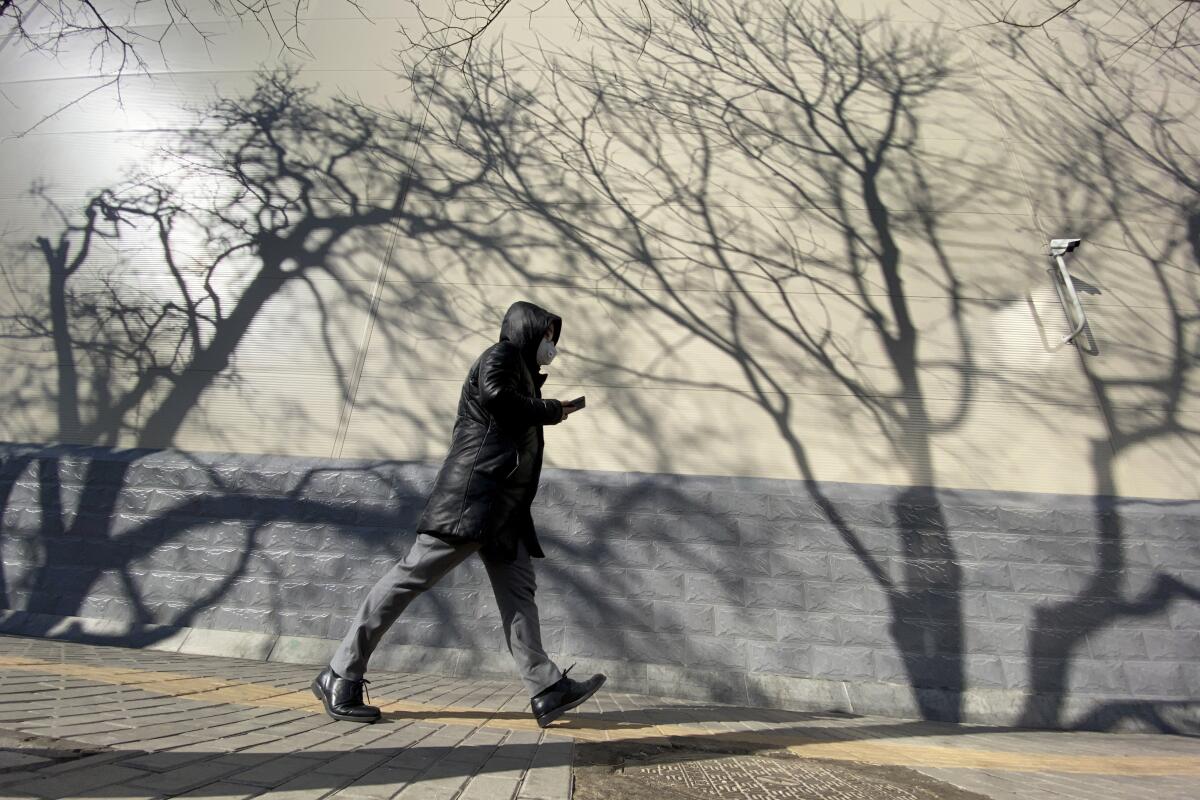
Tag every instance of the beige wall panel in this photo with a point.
(134, 263)
(971, 256)
(29, 392)
(557, 31)
(36, 409)
(31, 413)
(906, 10)
(427, 330)
(999, 446)
(1146, 281)
(630, 339)
(72, 165)
(992, 351)
(348, 43)
(304, 327)
(957, 109)
(691, 431)
(24, 217)
(763, 250)
(1128, 263)
(1131, 189)
(577, 38)
(1097, 13)
(257, 412)
(1065, 50)
(104, 340)
(137, 259)
(960, 175)
(403, 418)
(1141, 359)
(308, 327)
(312, 328)
(963, 176)
(262, 409)
(174, 100)
(805, 250)
(111, 317)
(750, 211)
(132, 12)
(962, 110)
(84, 105)
(1162, 117)
(20, 296)
(553, 32)
(628, 73)
(1014, 411)
(1166, 462)
(488, 243)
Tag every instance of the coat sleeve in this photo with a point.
(499, 375)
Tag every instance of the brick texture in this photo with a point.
(943, 591)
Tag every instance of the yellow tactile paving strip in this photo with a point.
(894, 752)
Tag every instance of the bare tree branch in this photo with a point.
(118, 46)
(1170, 18)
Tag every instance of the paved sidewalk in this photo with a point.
(106, 722)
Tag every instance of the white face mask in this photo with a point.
(546, 352)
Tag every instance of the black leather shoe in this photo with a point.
(343, 698)
(550, 704)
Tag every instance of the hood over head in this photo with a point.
(524, 325)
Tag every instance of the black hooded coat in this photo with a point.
(487, 483)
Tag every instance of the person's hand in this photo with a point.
(567, 408)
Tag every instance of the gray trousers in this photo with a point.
(427, 562)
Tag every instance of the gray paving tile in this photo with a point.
(509, 769)
(116, 792)
(380, 783)
(273, 772)
(186, 777)
(223, 790)
(12, 782)
(79, 781)
(312, 786)
(437, 783)
(353, 765)
(549, 776)
(165, 761)
(410, 758)
(13, 760)
(86, 762)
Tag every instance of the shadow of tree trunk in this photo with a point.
(273, 189)
(1117, 150)
(655, 171)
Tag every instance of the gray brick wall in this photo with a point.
(1019, 608)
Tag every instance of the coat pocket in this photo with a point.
(497, 460)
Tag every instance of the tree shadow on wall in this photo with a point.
(271, 215)
(753, 180)
(274, 193)
(774, 190)
(1118, 163)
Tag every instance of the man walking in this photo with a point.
(480, 503)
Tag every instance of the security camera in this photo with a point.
(1060, 247)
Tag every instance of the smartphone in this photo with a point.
(578, 402)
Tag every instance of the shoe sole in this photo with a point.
(320, 695)
(546, 719)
